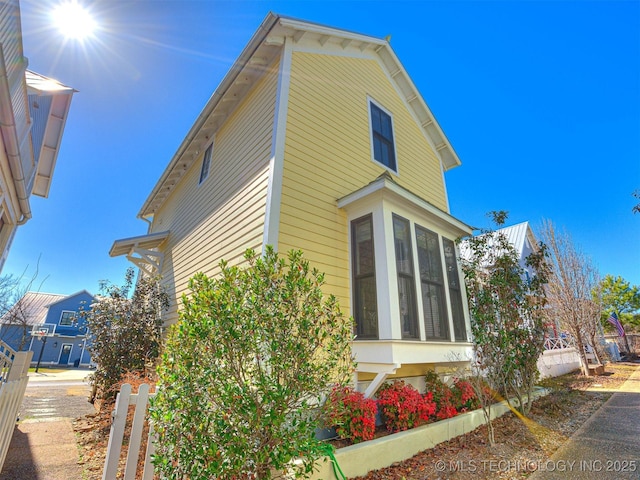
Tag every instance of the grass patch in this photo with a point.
(47, 370)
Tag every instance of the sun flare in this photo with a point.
(73, 20)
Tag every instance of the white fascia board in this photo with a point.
(385, 185)
(329, 31)
(428, 121)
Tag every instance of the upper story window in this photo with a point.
(382, 143)
(68, 319)
(206, 163)
(364, 278)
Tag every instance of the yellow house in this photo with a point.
(318, 140)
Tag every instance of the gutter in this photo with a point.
(12, 144)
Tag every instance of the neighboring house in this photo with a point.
(66, 340)
(33, 112)
(559, 356)
(318, 140)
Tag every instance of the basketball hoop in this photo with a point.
(40, 334)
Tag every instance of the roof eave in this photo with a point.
(246, 54)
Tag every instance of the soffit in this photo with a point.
(126, 245)
(255, 61)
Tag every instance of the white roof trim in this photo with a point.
(127, 245)
(268, 36)
(384, 183)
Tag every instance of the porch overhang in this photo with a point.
(142, 251)
(385, 187)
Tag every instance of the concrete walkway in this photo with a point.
(43, 446)
(607, 446)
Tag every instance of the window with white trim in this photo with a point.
(434, 301)
(406, 281)
(455, 290)
(364, 278)
(438, 313)
(206, 164)
(382, 143)
(68, 319)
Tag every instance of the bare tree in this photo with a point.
(569, 292)
(16, 307)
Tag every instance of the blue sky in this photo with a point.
(540, 99)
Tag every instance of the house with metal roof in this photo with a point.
(318, 140)
(50, 325)
(33, 113)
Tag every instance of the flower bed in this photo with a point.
(399, 405)
(359, 459)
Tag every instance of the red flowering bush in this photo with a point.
(352, 415)
(465, 396)
(442, 396)
(403, 406)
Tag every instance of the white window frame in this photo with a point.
(205, 167)
(371, 101)
(75, 317)
(387, 275)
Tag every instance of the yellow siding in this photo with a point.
(223, 216)
(328, 155)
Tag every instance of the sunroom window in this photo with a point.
(441, 309)
(406, 281)
(364, 278)
(455, 290)
(434, 304)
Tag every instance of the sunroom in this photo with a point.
(408, 297)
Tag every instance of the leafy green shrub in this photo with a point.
(352, 415)
(125, 331)
(403, 406)
(244, 370)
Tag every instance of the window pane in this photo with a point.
(364, 278)
(401, 234)
(455, 292)
(206, 163)
(435, 312)
(382, 132)
(366, 314)
(406, 281)
(436, 319)
(363, 237)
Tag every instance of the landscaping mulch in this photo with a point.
(521, 444)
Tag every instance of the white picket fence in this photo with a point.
(14, 375)
(124, 399)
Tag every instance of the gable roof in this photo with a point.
(255, 60)
(517, 234)
(32, 308)
(66, 297)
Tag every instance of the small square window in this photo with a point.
(382, 137)
(68, 319)
(206, 163)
